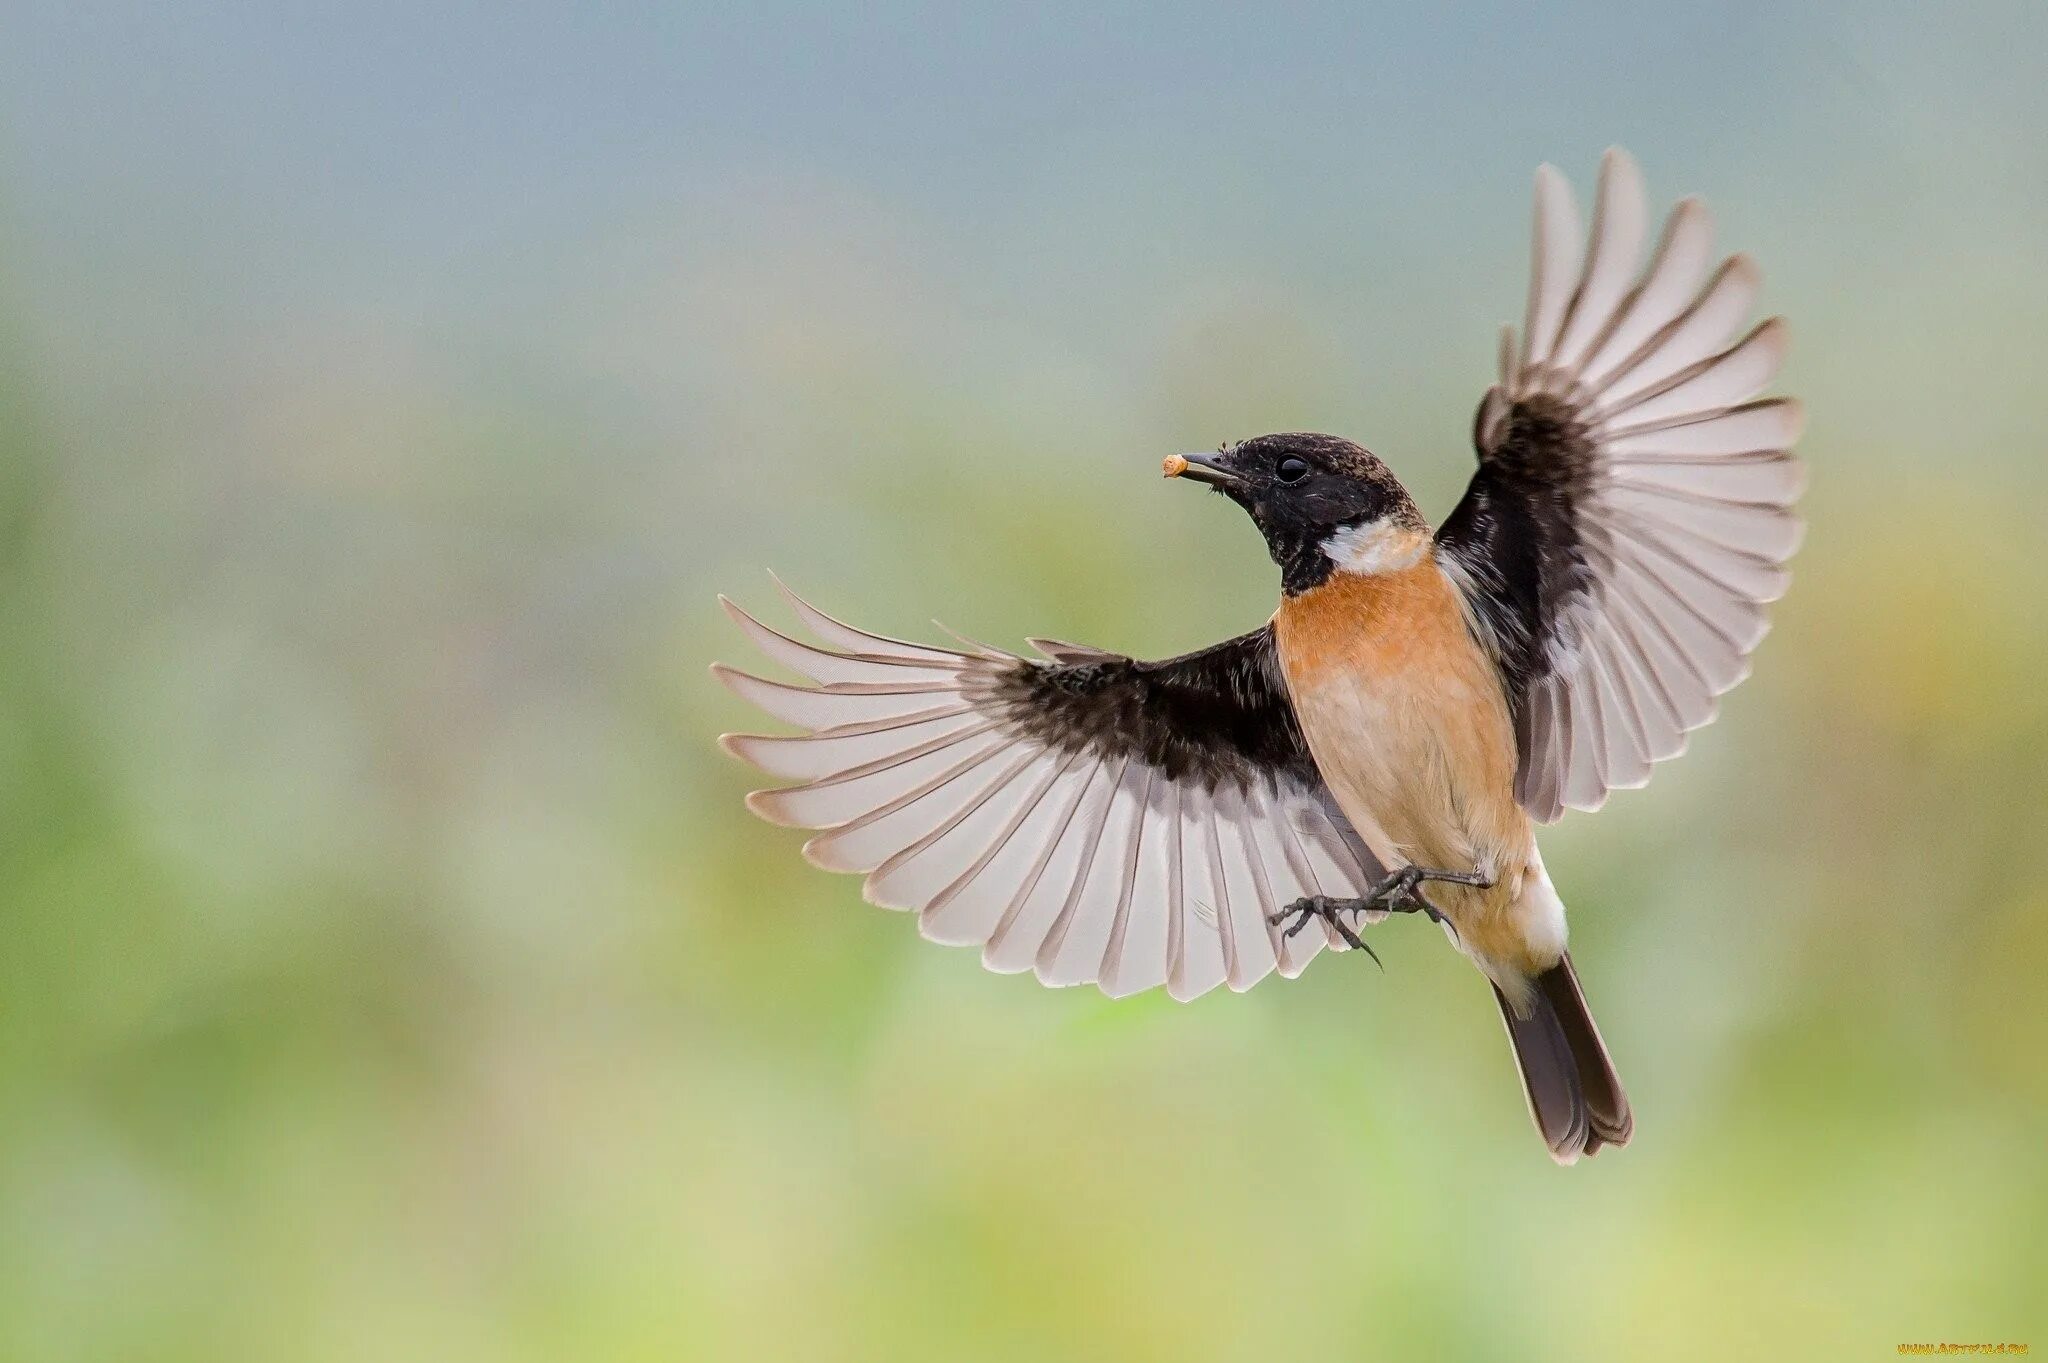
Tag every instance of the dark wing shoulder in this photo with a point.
(1092, 818)
(1518, 539)
(1632, 511)
(1219, 714)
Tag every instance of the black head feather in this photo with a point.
(1300, 488)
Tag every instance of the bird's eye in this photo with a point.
(1291, 470)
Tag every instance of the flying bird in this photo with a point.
(1419, 702)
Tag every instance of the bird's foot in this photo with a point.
(1330, 910)
(1398, 892)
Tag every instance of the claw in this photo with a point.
(1323, 907)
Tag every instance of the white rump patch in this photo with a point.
(1381, 546)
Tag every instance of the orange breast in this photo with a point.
(1388, 623)
(1407, 719)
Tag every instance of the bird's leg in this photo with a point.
(1401, 891)
(1398, 892)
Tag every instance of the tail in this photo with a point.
(1574, 1094)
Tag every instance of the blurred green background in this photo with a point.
(387, 967)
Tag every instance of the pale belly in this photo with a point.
(1406, 718)
(1415, 759)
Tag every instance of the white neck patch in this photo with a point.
(1373, 547)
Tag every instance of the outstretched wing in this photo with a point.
(1091, 818)
(1632, 512)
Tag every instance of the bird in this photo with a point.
(1420, 702)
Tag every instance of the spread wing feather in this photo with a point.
(1632, 512)
(1090, 818)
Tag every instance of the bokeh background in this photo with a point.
(387, 967)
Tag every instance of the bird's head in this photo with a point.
(1324, 504)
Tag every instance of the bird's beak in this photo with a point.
(1202, 468)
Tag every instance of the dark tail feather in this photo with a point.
(1574, 1094)
(1607, 1112)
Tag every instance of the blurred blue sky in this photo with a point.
(685, 236)
(615, 261)
(224, 153)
